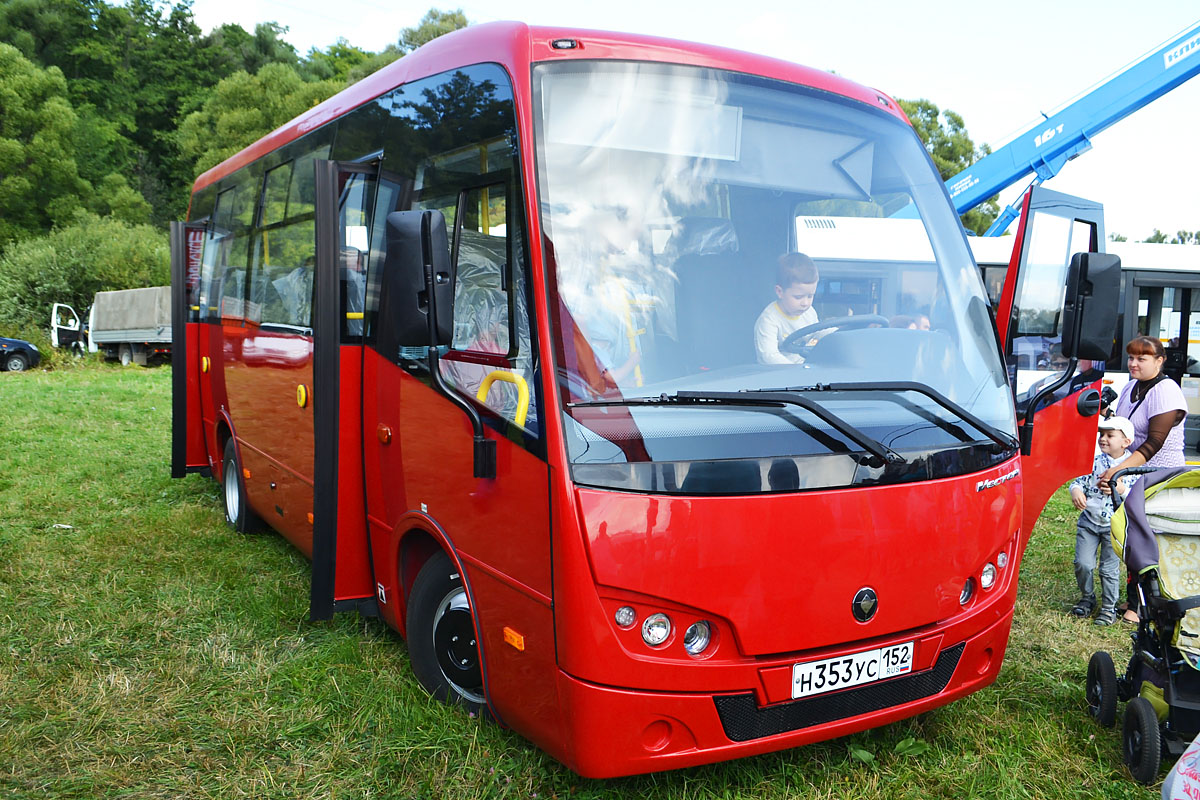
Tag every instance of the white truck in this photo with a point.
(132, 325)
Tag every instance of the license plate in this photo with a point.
(818, 677)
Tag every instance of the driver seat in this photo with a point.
(717, 299)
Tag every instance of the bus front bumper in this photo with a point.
(616, 732)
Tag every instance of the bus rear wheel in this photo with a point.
(441, 636)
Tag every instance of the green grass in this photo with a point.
(148, 651)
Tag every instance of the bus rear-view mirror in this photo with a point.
(416, 293)
(1090, 314)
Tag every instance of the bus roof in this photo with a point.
(515, 45)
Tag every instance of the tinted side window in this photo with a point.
(235, 209)
(282, 277)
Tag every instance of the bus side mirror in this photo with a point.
(416, 293)
(1090, 313)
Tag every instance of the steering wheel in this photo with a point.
(796, 340)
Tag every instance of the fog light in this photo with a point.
(967, 591)
(625, 617)
(697, 637)
(987, 578)
(1002, 560)
(656, 629)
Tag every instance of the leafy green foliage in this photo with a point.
(245, 108)
(235, 50)
(336, 62)
(1181, 237)
(945, 136)
(435, 23)
(74, 262)
(39, 181)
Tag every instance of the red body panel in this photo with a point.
(781, 570)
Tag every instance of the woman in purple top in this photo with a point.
(1156, 406)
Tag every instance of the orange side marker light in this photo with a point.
(513, 638)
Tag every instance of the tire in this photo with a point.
(1102, 689)
(1141, 742)
(16, 362)
(125, 353)
(441, 636)
(238, 513)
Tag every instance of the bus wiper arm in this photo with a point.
(760, 399)
(995, 434)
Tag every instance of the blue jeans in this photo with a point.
(1088, 537)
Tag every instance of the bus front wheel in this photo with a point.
(238, 513)
(441, 635)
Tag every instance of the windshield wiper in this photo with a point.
(759, 399)
(995, 434)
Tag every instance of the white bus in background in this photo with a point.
(1160, 297)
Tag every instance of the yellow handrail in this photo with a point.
(507, 377)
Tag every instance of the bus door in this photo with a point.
(188, 453)
(1166, 306)
(419, 444)
(1053, 227)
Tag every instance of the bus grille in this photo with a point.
(743, 720)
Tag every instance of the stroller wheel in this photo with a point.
(1142, 745)
(1102, 689)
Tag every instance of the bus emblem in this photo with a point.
(865, 604)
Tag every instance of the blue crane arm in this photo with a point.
(1044, 149)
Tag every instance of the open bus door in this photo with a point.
(188, 452)
(1054, 375)
(342, 572)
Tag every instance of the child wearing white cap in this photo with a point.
(1094, 528)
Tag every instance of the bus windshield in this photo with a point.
(756, 286)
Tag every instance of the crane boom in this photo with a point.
(1046, 147)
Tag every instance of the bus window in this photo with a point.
(468, 174)
(1037, 337)
(354, 246)
(236, 218)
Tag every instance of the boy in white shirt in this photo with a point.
(791, 310)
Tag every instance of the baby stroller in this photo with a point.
(1157, 532)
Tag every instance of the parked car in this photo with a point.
(17, 355)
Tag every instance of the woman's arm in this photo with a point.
(1159, 426)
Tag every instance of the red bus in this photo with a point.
(477, 336)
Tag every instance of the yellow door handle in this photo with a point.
(516, 380)
(302, 395)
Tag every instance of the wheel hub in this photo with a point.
(456, 647)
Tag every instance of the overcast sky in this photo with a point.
(999, 65)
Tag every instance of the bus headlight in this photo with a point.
(987, 578)
(1002, 560)
(697, 637)
(625, 617)
(656, 629)
(968, 591)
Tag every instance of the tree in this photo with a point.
(952, 151)
(243, 109)
(435, 23)
(334, 63)
(232, 49)
(39, 180)
(74, 262)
